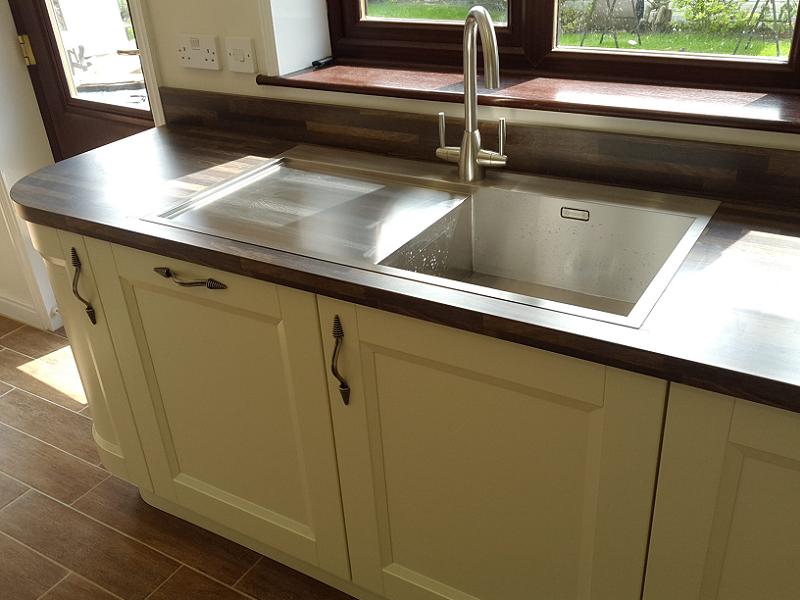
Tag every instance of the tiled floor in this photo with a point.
(71, 531)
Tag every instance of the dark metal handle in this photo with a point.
(211, 284)
(338, 335)
(76, 263)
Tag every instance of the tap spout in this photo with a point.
(478, 21)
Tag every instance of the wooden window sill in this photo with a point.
(767, 111)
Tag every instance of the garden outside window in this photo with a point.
(732, 44)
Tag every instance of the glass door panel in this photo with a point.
(98, 51)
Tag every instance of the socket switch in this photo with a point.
(199, 52)
(241, 54)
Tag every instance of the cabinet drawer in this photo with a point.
(239, 292)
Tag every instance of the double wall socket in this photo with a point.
(199, 52)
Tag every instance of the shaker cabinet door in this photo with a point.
(477, 469)
(727, 514)
(227, 382)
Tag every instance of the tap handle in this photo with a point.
(501, 134)
(442, 127)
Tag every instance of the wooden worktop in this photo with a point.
(728, 322)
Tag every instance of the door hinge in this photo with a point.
(27, 50)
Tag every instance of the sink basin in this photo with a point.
(604, 260)
(588, 250)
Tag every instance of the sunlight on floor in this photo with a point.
(58, 371)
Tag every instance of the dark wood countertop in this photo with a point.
(728, 322)
(769, 111)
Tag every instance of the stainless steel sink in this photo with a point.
(588, 250)
(603, 260)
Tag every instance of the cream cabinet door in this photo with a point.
(473, 468)
(727, 514)
(229, 392)
(113, 427)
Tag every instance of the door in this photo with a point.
(228, 390)
(727, 515)
(86, 71)
(473, 468)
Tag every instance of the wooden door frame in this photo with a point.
(140, 15)
(52, 89)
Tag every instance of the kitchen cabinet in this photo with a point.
(229, 395)
(727, 511)
(474, 468)
(114, 429)
(458, 466)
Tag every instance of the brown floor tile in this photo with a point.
(24, 575)
(61, 331)
(8, 325)
(4, 387)
(187, 584)
(50, 423)
(77, 588)
(33, 342)
(87, 412)
(270, 580)
(54, 376)
(10, 490)
(46, 468)
(118, 504)
(115, 562)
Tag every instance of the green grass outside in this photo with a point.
(390, 9)
(704, 43)
(695, 42)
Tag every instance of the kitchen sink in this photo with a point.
(594, 251)
(604, 260)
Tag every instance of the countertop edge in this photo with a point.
(647, 362)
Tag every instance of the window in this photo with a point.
(432, 11)
(733, 44)
(690, 28)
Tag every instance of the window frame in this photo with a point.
(526, 45)
(398, 42)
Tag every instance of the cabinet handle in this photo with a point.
(338, 335)
(211, 284)
(76, 263)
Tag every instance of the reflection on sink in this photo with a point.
(298, 207)
(602, 260)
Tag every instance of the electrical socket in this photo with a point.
(199, 52)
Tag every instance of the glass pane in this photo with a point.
(434, 10)
(752, 29)
(99, 52)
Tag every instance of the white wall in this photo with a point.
(247, 17)
(299, 33)
(168, 19)
(25, 294)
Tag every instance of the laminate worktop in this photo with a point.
(728, 322)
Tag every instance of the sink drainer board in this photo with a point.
(570, 252)
(290, 205)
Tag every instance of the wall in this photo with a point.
(25, 294)
(299, 30)
(246, 17)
